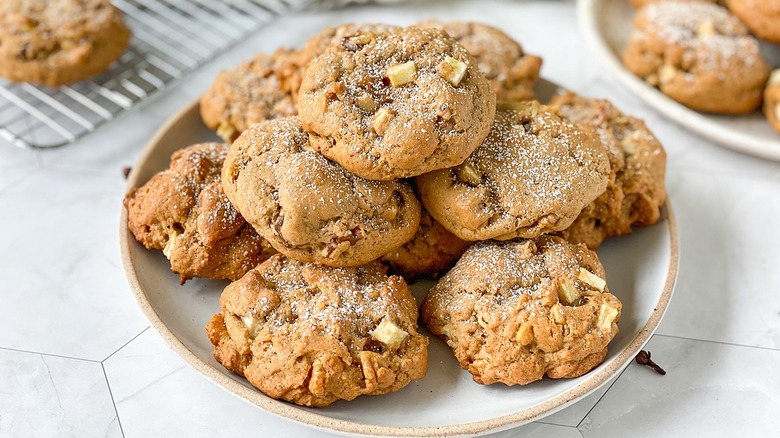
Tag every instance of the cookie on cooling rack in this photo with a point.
(183, 211)
(533, 174)
(635, 192)
(515, 311)
(511, 71)
(57, 42)
(698, 54)
(310, 208)
(396, 104)
(311, 334)
(257, 90)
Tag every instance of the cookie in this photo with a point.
(311, 334)
(762, 17)
(642, 3)
(635, 192)
(396, 104)
(515, 311)
(255, 91)
(511, 72)
(183, 211)
(58, 42)
(772, 100)
(310, 208)
(317, 44)
(698, 54)
(432, 251)
(534, 174)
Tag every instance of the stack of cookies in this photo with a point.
(380, 149)
(707, 56)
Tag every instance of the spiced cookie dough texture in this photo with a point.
(699, 55)
(515, 311)
(772, 100)
(58, 42)
(636, 191)
(310, 208)
(761, 16)
(396, 104)
(184, 212)
(511, 71)
(533, 174)
(311, 334)
(255, 91)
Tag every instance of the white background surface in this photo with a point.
(77, 357)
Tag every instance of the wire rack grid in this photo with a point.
(170, 39)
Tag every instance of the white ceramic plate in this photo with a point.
(641, 270)
(607, 25)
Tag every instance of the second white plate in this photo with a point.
(607, 24)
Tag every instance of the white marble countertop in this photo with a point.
(78, 358)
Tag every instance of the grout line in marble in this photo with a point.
(20, 180)
(730, 344)
(602, 396)
(19, 350)
(113, 402)
(126, 343)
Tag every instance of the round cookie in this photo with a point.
(534, 174)
(183, 211)
(515, 311)
(432, 251)
(642, 3)
(310, 208)
(311, 334)
(698, 54)
(316, 45)
(636, 190)
(772, 100)
(511, 72)
(255, 91)
(396, 104)
(761, 16)
(57, 42)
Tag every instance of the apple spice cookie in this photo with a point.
(255, 91)
(183, 211)
(515, 311)
(316, 45)
(642, 3)
(761, 16)
(635, 192)
(511, 72)
(432, 251)
(311, 334)
(310, 208)
(57, 42)
(533, 174)
(698, 54)
(772, 100)
(396, 104)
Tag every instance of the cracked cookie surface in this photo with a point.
(184, 212)
(396, 104)
(511, 71)
(636, 189)
(533, 174)
(698, 54)
(58, 42)
(310, 208)
(515, 311)
(312, 334)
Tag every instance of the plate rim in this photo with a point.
(700, 123)
(341, 426)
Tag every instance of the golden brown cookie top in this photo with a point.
(317, 44)
(183, 211)
(396, 104)
(511, 72)
(533, 174)
(772, 100)
(311, 334)
(250, 93)
(311, 208)
(515, 311)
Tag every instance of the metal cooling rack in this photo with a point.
(170, 39)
